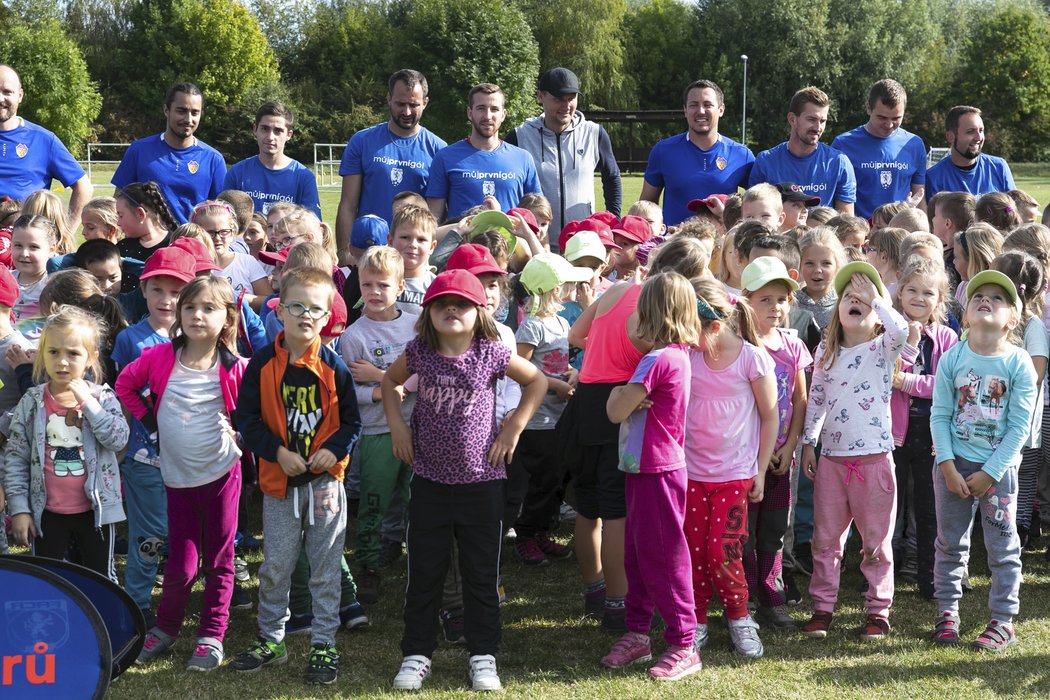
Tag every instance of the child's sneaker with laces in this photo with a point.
(483, 674)
(874, 627)
(156, 643)
(528, 550)
(946, 630)
(676, 663)
(818, 625)
(629, 649)
(552, 549)
(996, 637)
(744, 633)
(414, 670)
(207, 656)
(323, 664)
(261, 653)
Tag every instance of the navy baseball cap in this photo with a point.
(559, 82)
(369, 230)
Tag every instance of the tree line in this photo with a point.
(98, 69)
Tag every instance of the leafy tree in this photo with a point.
(60, 94)
(660, 38)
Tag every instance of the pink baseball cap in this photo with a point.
(606, 217)
(170, 262)
(458, 283)
(590, 224)
(530, 218)
(475, 259)
(273, 258)
(634, 228)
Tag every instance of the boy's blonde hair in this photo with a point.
(309, 255)
(415, 217)
(667, 310)
(92, 329)
(920, 240)
(650, 211)
(928, 271)
(382, 260)
(981, 243)
(824, 237)
(307, 277)
(402, 199)
(764, 192)
(196, 233)
(911, 219)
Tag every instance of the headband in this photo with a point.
(708, 312)
(208, 205)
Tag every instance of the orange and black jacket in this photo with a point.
(264, 420)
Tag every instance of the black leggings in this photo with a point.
(94, 544)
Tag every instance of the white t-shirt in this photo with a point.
(242, 272)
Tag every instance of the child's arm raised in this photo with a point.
(103, 414)
(533, 387)
(765, 390)
(623, 401)
(400, 433)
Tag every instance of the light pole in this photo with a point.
(743, 118)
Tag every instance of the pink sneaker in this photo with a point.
(629, 649)
(676, 663)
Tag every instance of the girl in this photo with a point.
(47, 204)
(34, 240)
(540, 207)
(729, 263)
(98, 219)
(458, 455)
(656, 555)
(883, 250)
(60, 463)
(145, 218)
(822, 256)
(1027, 273)
(770, 291)
(854, 482)
(998, 210)
(975, 248)
(731, 428)
(193, 383)
(244, 273)
(255, 235)
(983, 399)
(920, 297)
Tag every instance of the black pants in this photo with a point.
(94, 544)
(915, 463)
(535, 465)
(472, 514)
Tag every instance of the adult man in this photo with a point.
(698, 163)
(272, 176)
(888, 161)
(967, 169)
(187, 170)
(31, 156)
(567, 150)
(481, 165)
(386, 159)
(816, 168)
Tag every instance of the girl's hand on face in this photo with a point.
(863, 288)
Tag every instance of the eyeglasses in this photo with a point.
(286, 242)
(297, 310)
(221, 233)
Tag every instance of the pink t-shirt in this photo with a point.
(651, 439)
(722, 426)
(64, 472)
(789, 358)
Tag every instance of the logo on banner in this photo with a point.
(21, 150)
(193, 166)
(885, 179)
(30, 622)
(488, 188)
(721, 163)
(396, 176)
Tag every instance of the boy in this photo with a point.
(951, 212)
(102, 259)
(369, 346)
(763, 202)
(796, 205)
(367, 231)
(298, 413)
(412, 235)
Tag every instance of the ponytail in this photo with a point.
(148, 196)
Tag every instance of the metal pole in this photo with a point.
(743, 117)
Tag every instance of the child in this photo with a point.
(412, 235)
(540, 207)
(49, 205)
(145, 218)
(255, 235)
(849, 414)
(975, 248)
(631, 232)
(98, 219)
(297, 411)
(883, 252)
(729, 263)
(244, 273)
(983, 398)
(60, 463)
(762, 202)
(193, 383)
(367, 231)
(1027, 206)
(458, 454)
(731, 428)
(822, 256)
(656, 555)
(998, 210)
(653, 214)
(34, 239)
(770, 291)
(796, 205)
(920, 297)
(880, 218)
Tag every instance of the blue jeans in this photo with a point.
(146, 502)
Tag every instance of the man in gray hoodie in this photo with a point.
(568, 149)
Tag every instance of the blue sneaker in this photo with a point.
(299, 624)
(352, 617)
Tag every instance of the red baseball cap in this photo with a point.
(5, 246)
(475, 259)
(697, 203)
(634, 228)
(170, 262)
(273, 258)
(337, 316)
(530, 218)
(458, 283)
(199, 251)
(8, 288)
(606, 217)
(589, 224)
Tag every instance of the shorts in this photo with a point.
(590, 453)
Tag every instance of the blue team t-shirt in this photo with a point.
(388, 165)
(142, 446)
(824, 173)
(886, 168)
(187, 176)
(989, 174)
(293, 183)
(686, 172)
(30, 158)
(463, 176)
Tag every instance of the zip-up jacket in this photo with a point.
(920, 385)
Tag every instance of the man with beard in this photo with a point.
(698, 163)
(383, 160)
(464, 174)
(31, 156)
(816, 168)
(968, 169)
(188, 171)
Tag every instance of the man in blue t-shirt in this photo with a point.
(31, 156)
(188, 171)
(698, 163)
(888, 161)
(967, 169)
(468, 172)
(386, 159)
(816, 168)
(272, 176)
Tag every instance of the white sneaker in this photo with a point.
(744, 633)
(483, 674)
(414, 670)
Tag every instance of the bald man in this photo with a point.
(31, 156)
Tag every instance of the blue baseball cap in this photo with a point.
(369, 230)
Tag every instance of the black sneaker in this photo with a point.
(453, 627)
(323, 666)
(804, 558)
(261, 653)
(241, 599)
(367, 586)
(791, 592)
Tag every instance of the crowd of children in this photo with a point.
(673, 384)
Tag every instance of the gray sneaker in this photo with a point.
(156, 643)
(700, 636)
(207, 656)
(744, 633)
(777, 617)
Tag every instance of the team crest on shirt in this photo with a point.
(21, 150)
(396, 176)
(488, 188)
(193, 166)
(885, 179)
(721, 163)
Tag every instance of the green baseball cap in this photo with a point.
(997, 278)
(492, 220)
(844, 275)
(761, 271)
(548, 271)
